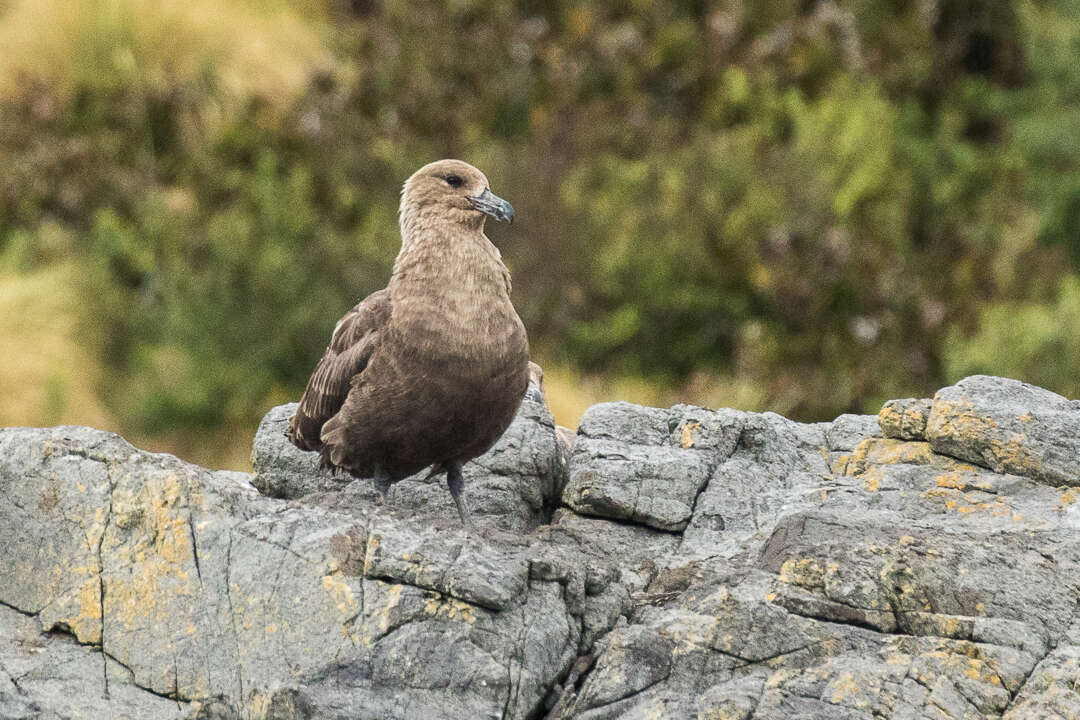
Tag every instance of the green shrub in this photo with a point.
(1035, 342)
(811, 199)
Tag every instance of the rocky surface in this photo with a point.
(1008, 426)
(679, 563)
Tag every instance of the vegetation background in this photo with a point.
(807, 206)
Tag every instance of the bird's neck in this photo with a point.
(448, 257)
(418, 221)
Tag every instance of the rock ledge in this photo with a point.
(678, 563)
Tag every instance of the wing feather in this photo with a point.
(354, 340)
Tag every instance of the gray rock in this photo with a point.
(772, 468)
(165, 565)
(722, 564)
(1051, 690)
(461, 567)
(281, 469)
(897, 583)
(1008, 426)
(647, 465)
(49, 675)
(905, 419)
(847, 431)
(203, 590)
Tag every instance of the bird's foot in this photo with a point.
(326, 464)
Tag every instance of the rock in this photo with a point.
(1051, 691)
(874, 452)
(885, 581)
(773, 466)
(46, 675)
(847, 431)
(281, 469)
(196, 587)
(470, 570)
(165, 565)
(1008, 426)
(905, 419)
(646, 465)
(721, 564)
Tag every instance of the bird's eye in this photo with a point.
(454, 181)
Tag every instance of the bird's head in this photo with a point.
(452, 190)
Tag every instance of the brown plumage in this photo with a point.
(430, 370)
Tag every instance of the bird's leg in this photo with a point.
(456, 483)
(382, 483)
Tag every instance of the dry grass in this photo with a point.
(247, 46)
(570, 393)
(47, 377)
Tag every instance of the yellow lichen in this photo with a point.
(450, 608)
(777, 679)
(843, 687)
(370, 552)
(87, 624)
(688, 434)
(889, 415)
(950, 480)
(886, 451)
(341, 594)
(804, 572)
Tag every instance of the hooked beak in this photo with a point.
(491, 204)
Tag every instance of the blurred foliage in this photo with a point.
(1035, 341)
(804, 205)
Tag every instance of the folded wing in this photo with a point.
(355, 338)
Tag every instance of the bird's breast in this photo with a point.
(453, 325)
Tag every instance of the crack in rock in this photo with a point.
(101, 582)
